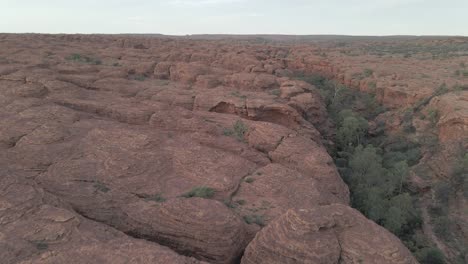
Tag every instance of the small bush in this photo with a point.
(315, 79)
(368, 72)
(255, 219)
(84, 59)
(459, 88)
(249, 180)
(433, 115)
(42, 245)
(240, 202)
(442, 227)
(430, 256)
(372, 86)
(442, 192)
(228, 132)
(238, 131)
(138, 77)
(237, 94)
(156, 198)
(202, 192)
(101, 187)
(230, 204)
(75, 57)
(275, 92)
(436, 211)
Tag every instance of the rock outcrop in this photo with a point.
(325, 234)
(119, 149)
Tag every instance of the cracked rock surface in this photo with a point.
(102, 137)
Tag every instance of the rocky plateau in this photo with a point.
(105, 139)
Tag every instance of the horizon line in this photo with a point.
(239, 34)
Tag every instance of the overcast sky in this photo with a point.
(349, 17)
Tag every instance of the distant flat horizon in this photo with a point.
(237, 17)
(234, 34)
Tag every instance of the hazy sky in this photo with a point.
(350, 17)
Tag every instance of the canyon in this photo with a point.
(160, 149)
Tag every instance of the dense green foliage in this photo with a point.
(352, 129)
(431, 256)
(445, 194)
(376, 166)
(378, 192)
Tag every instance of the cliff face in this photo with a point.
(145, 150)
(423, 84)
(398, 81)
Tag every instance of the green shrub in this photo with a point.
(275, 92)
(255, 219)
(372, 86)
(430, 256)
(41, 245)
(352, 129)
(459, 88)
(442, 89)
(138, 77)
(240, 202)
(378, 192)
(392, 157)
(75, 57)
(442, 227)
(413, 156)
(228, 132)
(156, 198)
(238, 130)
(430, 141)
(101, 187)
(84, 59)
(314, 79)
(229, 204)
(249, 180)
(238, 94)
(443, 190)
(368, 72)
(436, 210)
(433, 116)
(202, 192)
(408, 116)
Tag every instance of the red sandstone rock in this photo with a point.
(326, 234)
(104, 153)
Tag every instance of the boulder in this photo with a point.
(326, 234)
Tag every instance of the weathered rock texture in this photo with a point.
(326, 234)
(101, 137)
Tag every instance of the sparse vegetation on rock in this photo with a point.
(254, 219)
(76, 57)
(133, 157)
(238, 130)
(376, 168)
(202, 192)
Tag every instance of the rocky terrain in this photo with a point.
(127, 149)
